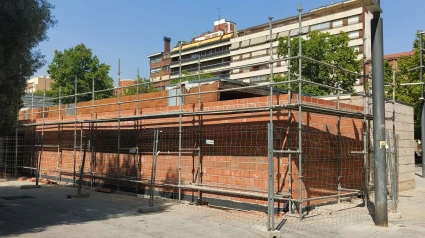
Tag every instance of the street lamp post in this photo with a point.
(378, 98)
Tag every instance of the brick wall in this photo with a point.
(237, 160)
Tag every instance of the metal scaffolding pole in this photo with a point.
(137, 132)
(180, 120)
(423, 101)
(270, 205)
(42, 136)
(75, 130)
(379, 143)
(300, 116)
(119, 125)
(59, 137)
(290, 118)
(365, 127)
(339, 146)
(199, 132)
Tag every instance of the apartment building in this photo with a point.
(251, 46)
(225, 48)
(159, 63)
(207, 52)
(37, 84)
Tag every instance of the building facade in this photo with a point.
(38, 84)
(207, 52)
(159, 63)
(232, 52)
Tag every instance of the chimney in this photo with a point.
(167, 41)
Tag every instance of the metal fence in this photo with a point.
(286, 157)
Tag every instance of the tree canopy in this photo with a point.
(79, 62)
(188, 76)
(23, 25)
(327, 48)
(408, 94)
(145, 87)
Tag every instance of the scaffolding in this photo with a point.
(298, 157)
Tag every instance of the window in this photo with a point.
(70, 109)
(354, 34)
(236, 58)
(246, 56)
(165, 68)
(174, 99)
(155, 70)
(337, 23)
(356, 48)
(259, 53)
(155, 59)
(352, 20)
(275, 50)
(320, 26)
(246, 70)
(258, 78)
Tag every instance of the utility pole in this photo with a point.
(378, 99)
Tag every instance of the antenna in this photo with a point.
(218, 13)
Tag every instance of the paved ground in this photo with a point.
(46, 212)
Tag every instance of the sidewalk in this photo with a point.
(411, 224)
(46, 212)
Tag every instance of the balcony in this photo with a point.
(202, 57)
(195, 69)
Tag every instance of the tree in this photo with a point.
(408, 94)
(41, 93)
(187, 76)
(327, 48)
(23, 25)
(79, 62)
(145, 87)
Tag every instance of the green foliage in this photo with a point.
(145, 87)
(331, 49)
(187, 76)
(79, 62)
(409, 94)
(23, 25)
(41, 93)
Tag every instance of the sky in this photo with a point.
(130, 30)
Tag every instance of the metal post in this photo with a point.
(59, 165)
(339, 146)
(42, 134)
(60, 102)
(365, 127)
(137, 130)
(75, 130)
(379, 143)
(199, 132)
(423, 102)
(16, 146)
(34, 131)
(270, 205)
(180, 122)
(80, 182)
(153, 173)
(119, 125)
(300, 116)
(289, 116)
(92, 100)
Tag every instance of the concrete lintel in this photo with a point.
(31, 186)
(83, 195)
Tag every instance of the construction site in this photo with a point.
(219, 143)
